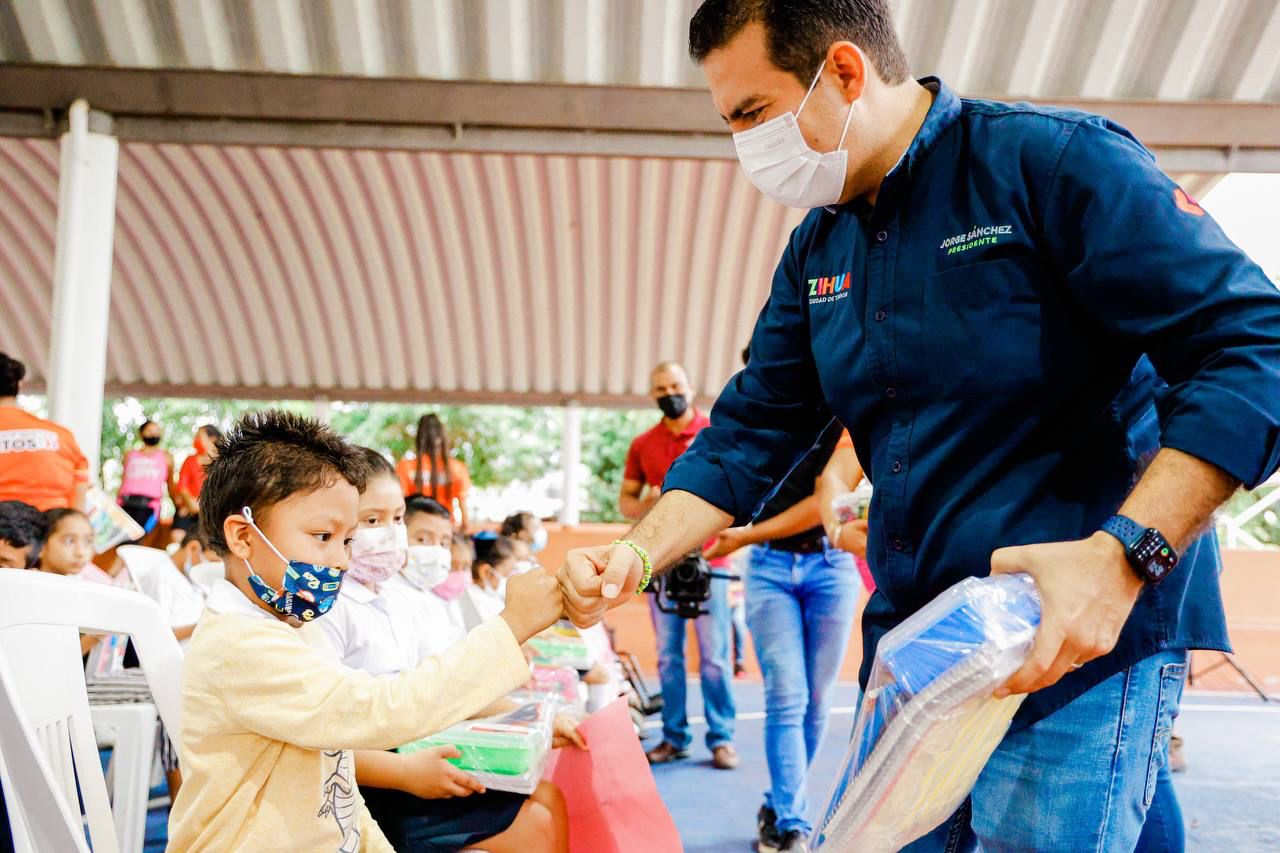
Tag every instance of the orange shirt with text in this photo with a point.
(40, 462)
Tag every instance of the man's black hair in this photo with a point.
(23, 526)
(268, 457)
(517, 522)
(799, 32)
(423, 504)
(11, 373)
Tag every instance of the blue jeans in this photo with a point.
(714, 644)
(1086, 777)
(800, 610)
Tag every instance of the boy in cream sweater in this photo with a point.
(269, 719)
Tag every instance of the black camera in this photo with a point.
(686, 587)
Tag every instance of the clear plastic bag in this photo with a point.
(558, 683)
(561, 645)
(111, 524)
(928, 723)
(852, 506)
(505, 753)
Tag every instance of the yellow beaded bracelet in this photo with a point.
(644, 561)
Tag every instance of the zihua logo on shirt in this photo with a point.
(829, 288)
(979, 236)
(28, 441)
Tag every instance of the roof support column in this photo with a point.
(570, 460)
(82, 277)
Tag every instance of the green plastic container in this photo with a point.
(500, 754)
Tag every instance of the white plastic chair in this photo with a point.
(41, 616)
(203, 575)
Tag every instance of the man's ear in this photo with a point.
(237, 532)
(851, 64)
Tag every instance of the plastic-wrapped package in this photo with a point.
(111, 524)
(555, 682)
(928, 723)
(507, 752)
(852, 506)
(561, 645)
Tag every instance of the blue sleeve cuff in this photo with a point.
(734, 490)
(1217, 425)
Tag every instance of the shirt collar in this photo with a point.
(224, 597)
(943, 113)
(357, 592)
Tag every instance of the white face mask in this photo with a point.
(780, 163)
(539, 540)
(428, 566)
(377, 553)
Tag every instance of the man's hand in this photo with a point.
(851, 536)
(432, 777)
(1087, 590)
(596, 579)
(565, 733)
(726, 543)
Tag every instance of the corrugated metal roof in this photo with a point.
(1167, 49)
(277, 271)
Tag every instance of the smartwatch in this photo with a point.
(1146, 549)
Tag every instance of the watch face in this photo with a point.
(1153, 553)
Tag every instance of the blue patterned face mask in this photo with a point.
(309, 591)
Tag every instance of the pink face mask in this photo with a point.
(453, 586)
(377, 553)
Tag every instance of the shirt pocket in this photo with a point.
(983, 328)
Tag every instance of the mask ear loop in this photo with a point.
(816, 77)
(849, 117)
(248, 516)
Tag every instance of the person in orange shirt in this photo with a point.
(431, 471)
(40, 462)
(186, 491)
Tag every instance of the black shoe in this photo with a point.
(794, 841)
(767, 826)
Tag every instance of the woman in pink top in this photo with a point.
(147, 476)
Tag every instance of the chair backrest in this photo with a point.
(41, 616)
(33, 806)
(203, 575)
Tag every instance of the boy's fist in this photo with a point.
(534, 603)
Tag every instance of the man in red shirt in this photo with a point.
(651, 454)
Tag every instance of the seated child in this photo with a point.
(428, 581)
(412, 797)
(527, 528)
(269, 717)
(495, 562)
(22, 531)
(68, 543)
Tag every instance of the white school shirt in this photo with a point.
(485, 604)
(371, 631)
(438, 622)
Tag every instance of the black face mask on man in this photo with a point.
(673, 405)
(151, 440)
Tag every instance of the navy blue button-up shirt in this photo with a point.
(1028, 313)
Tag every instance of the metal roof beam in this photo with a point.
(245, 105)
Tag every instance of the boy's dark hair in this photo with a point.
(23, 526)
(491, 550)
(798, 32)
(517, 523)
(11, 373)
(430, 506)
(53, 517)
(376, 465)
(264, 459)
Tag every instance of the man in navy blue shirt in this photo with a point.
(1050, 359)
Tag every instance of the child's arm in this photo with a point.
(288, 691)
(426, 773)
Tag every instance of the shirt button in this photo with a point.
(891, 392)
(897, 467)
(898, 545)
(880, 315)
(881, 236)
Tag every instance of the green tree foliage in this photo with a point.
(498, 444)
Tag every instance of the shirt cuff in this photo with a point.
(1220, 427)
(735, 491)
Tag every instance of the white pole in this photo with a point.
(570, 458)
(320, 409)
(82, 280)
